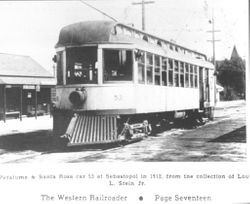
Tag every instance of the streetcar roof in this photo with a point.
(90, 32)
(85, 32)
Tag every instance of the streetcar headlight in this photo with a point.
(78, 96)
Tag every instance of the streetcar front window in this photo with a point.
(59, 72)
(117, 65)
(81, 63)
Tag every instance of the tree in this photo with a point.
(231, 75)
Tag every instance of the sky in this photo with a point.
(32, 27)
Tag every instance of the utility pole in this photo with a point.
(142, 3)
(213, 31)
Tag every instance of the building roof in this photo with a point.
(19, 69)
(19, 65)
(234, 54)
(15, 80)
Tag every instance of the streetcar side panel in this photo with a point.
(162, 99)
(100, 98)
(129, 99)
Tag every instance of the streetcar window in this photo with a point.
(192, 76)
(164, 72)
(170, 72)
(127, 32)
(152, 40)
(81, 65)
(186, 75)
(195, 77)
(59, 68)
(145, 38)
(119, 30)
(137, 35)
(114, 31)
(141, 68)
(159, 43)
(117, 65)
(176, 73)
(165, 45)
(157, 70)
(206, 98)
(149, 64)
(182, 74)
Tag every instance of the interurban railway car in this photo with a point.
(116, 83)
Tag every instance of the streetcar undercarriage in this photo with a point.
(83, 128)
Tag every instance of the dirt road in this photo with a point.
(223, 139)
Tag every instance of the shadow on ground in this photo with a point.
(43, 141)
(40, 141)
(237, 136)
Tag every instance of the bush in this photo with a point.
(229, 94)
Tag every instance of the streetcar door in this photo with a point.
(201, 87)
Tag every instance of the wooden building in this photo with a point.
(25, 87)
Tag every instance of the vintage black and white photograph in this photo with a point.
(126, 80)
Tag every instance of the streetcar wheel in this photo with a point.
(164, 125)
(153, 130)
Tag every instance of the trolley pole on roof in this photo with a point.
(142, 3)
(98, 10)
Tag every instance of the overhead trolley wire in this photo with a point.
(105, 14)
